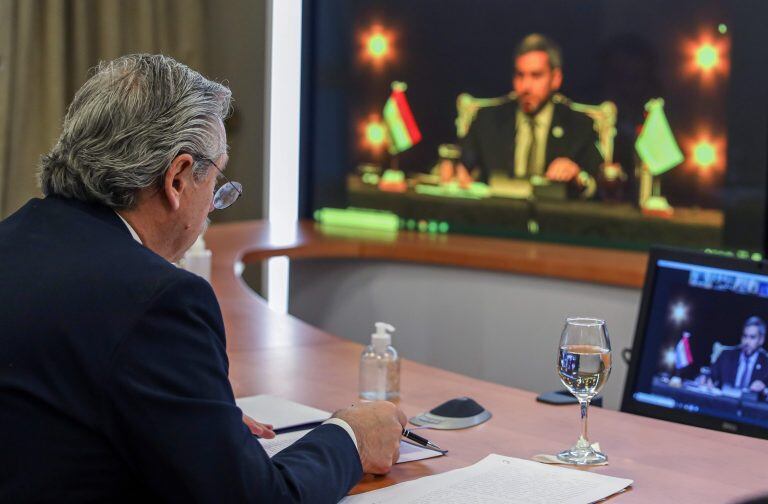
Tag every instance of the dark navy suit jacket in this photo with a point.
(113, 378)
(726, 367)
(490, 141)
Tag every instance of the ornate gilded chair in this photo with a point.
(603, 115)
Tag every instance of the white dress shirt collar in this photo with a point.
(132, 231)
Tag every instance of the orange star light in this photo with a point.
(377, 46)
(707, 57)
(372, 134)
(704, 152)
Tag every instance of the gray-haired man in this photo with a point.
(113, 370)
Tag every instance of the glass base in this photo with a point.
(582, 455)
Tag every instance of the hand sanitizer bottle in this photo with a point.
(380, 367)
(198, 259)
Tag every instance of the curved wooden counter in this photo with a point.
(604, 266)
(280, 355)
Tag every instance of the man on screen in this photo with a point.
(113, 367)
(537, 133)
(746, 366)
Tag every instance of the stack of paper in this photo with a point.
(408, 452)
(285, 414)
(281, 413)
(497, 479)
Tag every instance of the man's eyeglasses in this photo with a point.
(226, 194)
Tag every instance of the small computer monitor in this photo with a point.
(699, 355)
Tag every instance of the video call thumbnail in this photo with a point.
(704, 350)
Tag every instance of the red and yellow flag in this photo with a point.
(403, 131)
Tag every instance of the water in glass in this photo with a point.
(583, 364)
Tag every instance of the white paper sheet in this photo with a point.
(281, 441)
(497, 479)
(279, 412)
(408, 451)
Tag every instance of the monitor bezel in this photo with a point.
(631, 405)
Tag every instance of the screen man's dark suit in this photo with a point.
(726, 367)
(490, 141)
(113, 378)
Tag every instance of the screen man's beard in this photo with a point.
(541, 106)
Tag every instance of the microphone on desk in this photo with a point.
(422, 441)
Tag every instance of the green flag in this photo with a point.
(656, 144)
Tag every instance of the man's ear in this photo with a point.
(177, 178)
(557, 78)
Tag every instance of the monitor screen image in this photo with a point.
(700, 350)
(603, 122)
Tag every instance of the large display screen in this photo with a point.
(699, 354)
(606, 122)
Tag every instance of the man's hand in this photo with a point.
(757, 386)
(378, 427)
(446, 171)
(463, 176)
(259, 429)
(460, 173)
(562, 170)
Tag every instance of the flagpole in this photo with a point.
(646, 181)
(394, 163)
(656, 190)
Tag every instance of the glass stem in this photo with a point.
(583, 440)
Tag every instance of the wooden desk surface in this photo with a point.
(281, 355)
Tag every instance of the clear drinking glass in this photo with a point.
(583, 364)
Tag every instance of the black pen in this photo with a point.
(422, 441)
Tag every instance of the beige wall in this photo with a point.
(47, 46)
(236, 53)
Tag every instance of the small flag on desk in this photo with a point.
(656, 144)
(683, 355)
(403, 131)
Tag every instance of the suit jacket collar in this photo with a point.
(557, 134)
(96, 210)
